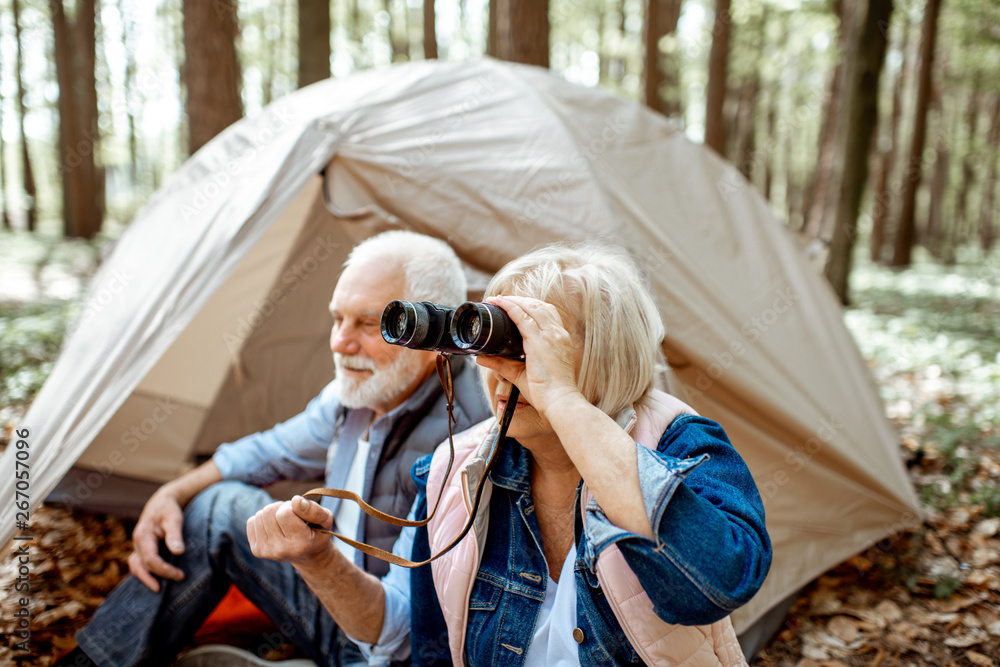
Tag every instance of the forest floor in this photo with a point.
(926, 597)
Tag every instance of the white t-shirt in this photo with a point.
(349, 512)
(553, 644)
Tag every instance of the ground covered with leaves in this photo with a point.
(926, 597)
(930, 596)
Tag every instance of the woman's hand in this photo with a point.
(549, 371)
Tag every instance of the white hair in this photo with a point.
(603, 299)
(432, 270)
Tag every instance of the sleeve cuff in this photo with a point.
(394, 640)
(659, 477)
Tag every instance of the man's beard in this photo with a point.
(385, 384)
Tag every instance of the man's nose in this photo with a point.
(343, 339)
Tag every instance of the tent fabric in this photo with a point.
(228, 269)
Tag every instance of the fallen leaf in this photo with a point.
(987, 527)
(979, 659)
(954, 603)
(843, 628)
(887, 612)
(70, 609)
(964, 641)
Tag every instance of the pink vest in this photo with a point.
(656, 642)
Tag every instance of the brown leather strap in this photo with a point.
(445, 376)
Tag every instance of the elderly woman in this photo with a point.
(617, 527)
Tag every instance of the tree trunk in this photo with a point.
(661, 20)
(430, 31)
(772, 141)
(904, 240)
(861, 116)
(939, 184)
(356, 20)
(314, 41)
(128, 42)
(3, 171)
(28, 174)
(78, 131)
(491, 29)
(404, 47)
(211, 71)
(823, 183)
(987, 234)
(715, 128)
(746, 136)
(887, 158)
(968, 171)
(523, 31)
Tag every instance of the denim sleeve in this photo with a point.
(294, 449)
(711, 551)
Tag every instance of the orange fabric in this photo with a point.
(235, 618)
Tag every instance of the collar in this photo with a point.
(512, 469)
(413, 408)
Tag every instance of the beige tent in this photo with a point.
(209, 319)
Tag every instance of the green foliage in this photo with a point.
(989, 497)
(945, 586)
(30, 337)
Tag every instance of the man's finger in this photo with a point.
(312, 512)
(145, 545)
(164, 569)
(173, 535)
(139, 571)
(252, 536)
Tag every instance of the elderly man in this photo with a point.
(384, 410)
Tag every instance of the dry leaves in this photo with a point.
(76, 559)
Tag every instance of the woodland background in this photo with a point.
(871, 126)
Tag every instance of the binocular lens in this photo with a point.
(472, 328)
(482, 328)
(397, 323)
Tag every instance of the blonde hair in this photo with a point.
(599, 292)
(433, 271)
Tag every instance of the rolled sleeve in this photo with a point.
(294, 449)
(711, 551)
(394, 640)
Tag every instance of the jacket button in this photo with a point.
(578, 635)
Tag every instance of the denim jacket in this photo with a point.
(711, 554)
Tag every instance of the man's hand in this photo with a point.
(281, 532)
(161, 518)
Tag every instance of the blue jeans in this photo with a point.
(135, 626)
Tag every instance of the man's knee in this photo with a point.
(224, 506)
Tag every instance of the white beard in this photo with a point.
(384, 386)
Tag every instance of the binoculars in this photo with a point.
(472, 328)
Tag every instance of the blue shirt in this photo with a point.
(710, 555)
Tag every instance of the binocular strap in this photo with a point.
(445, 376)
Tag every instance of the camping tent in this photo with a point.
(208, 320)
